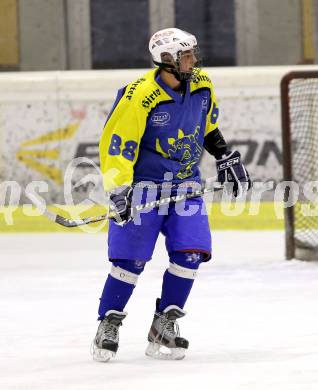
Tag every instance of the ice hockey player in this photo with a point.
(160, 124)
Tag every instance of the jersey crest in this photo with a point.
(185, 149)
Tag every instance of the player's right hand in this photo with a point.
(121, 203)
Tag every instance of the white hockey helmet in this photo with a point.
(166, 47)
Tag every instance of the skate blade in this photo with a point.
(100, 354)
(160, 352)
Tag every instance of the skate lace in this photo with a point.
(109, 331)
(169, 327)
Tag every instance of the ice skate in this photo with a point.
(163, 337)
(105, 344)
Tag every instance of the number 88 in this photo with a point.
(129, 150)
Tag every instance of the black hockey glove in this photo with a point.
(231, 170)
(121, 203)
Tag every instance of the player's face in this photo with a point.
(187, 61)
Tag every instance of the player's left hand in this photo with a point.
(231, 170)
(121, 203)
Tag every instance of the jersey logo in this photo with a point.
(133, 87)
(149, 99)
(205, 103)
(160, 118)
(184, 149)
(201, 77)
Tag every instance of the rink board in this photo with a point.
(221, 217)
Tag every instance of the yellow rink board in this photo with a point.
(268, 217)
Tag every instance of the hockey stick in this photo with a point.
(146, 206)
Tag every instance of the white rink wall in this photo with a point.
(48, 118)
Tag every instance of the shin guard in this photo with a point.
(119, 285)
(178, 278)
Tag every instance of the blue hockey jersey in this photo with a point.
(152, 130)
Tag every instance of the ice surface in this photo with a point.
(252, 317)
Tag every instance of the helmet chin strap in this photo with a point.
(186, 76)
(180, 76)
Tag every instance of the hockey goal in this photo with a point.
(299, 103)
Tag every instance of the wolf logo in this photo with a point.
(188, 151)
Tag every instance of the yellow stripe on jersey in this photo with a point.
(119, 144)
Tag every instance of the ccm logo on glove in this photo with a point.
(231, 170)
(228, 164)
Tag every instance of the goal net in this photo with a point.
(299, 103)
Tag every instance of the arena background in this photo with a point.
(251, 317)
